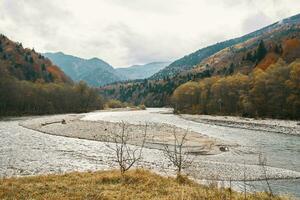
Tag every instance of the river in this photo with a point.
(27, 152)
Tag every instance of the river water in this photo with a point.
(280, 150)
(27, 152)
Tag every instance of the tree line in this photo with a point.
(274, 93)
(20, 97)
(31, 84)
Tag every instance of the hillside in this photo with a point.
(32, 84)
(95, 71)
(142, 71)
(26, 64)
(189, 61)
(280, 41)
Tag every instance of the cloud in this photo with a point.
(255, 21)
(135, 31)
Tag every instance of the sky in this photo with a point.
(127, 32)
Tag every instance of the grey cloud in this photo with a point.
(153, 6)
(255, 22)
(133, 31)
(39, 20)
(142, 48)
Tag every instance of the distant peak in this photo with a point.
(95, 59)
(157, 62)
(55, 53)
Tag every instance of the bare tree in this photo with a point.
(177, 153)
(126, 155)
(245, 184)
(262, 161)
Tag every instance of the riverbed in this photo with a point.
(28, 152)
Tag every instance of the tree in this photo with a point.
(262, 161)
(187, 96)
(261, 51)
(30, 59)
(293, 85)
(177, 153)
(229, 70)
(126, 155)
(43, 66)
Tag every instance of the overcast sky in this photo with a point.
(126, 32)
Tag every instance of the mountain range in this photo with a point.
(142, 71)
(97, 72)
(259, 49)
(189, 61)
(267, 61)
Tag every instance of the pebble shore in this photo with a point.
(267, 125)
(153, 156)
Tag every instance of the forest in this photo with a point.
(31, 84)
(253, 78)
(25, 97)
(273, 93)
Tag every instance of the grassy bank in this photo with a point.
(136, 184)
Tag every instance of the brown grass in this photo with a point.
(136, 184)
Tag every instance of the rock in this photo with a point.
(224, 149)
(63, 121)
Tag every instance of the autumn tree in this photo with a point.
(273, 92)
(187, 97)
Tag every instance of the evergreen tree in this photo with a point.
(31, 59)
(261, 51)
(229, 70)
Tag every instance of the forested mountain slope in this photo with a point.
(142, 71)
(189, 61)
(95, 71)
(31, 84)
(26, 64)
(279, 43)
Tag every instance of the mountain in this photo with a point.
(189, 61)
(31, 84)
(257, 50)
(26, 64)
(95, 71)
(142, 71)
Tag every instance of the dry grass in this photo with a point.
(136, 184)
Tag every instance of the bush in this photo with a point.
(114, 104)
(142, 107)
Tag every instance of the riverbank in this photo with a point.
(157, 135)
(136, 184)
(267, 125)
(27, 152)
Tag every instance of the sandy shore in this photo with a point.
(267, 125)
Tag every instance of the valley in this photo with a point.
(221, 122)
